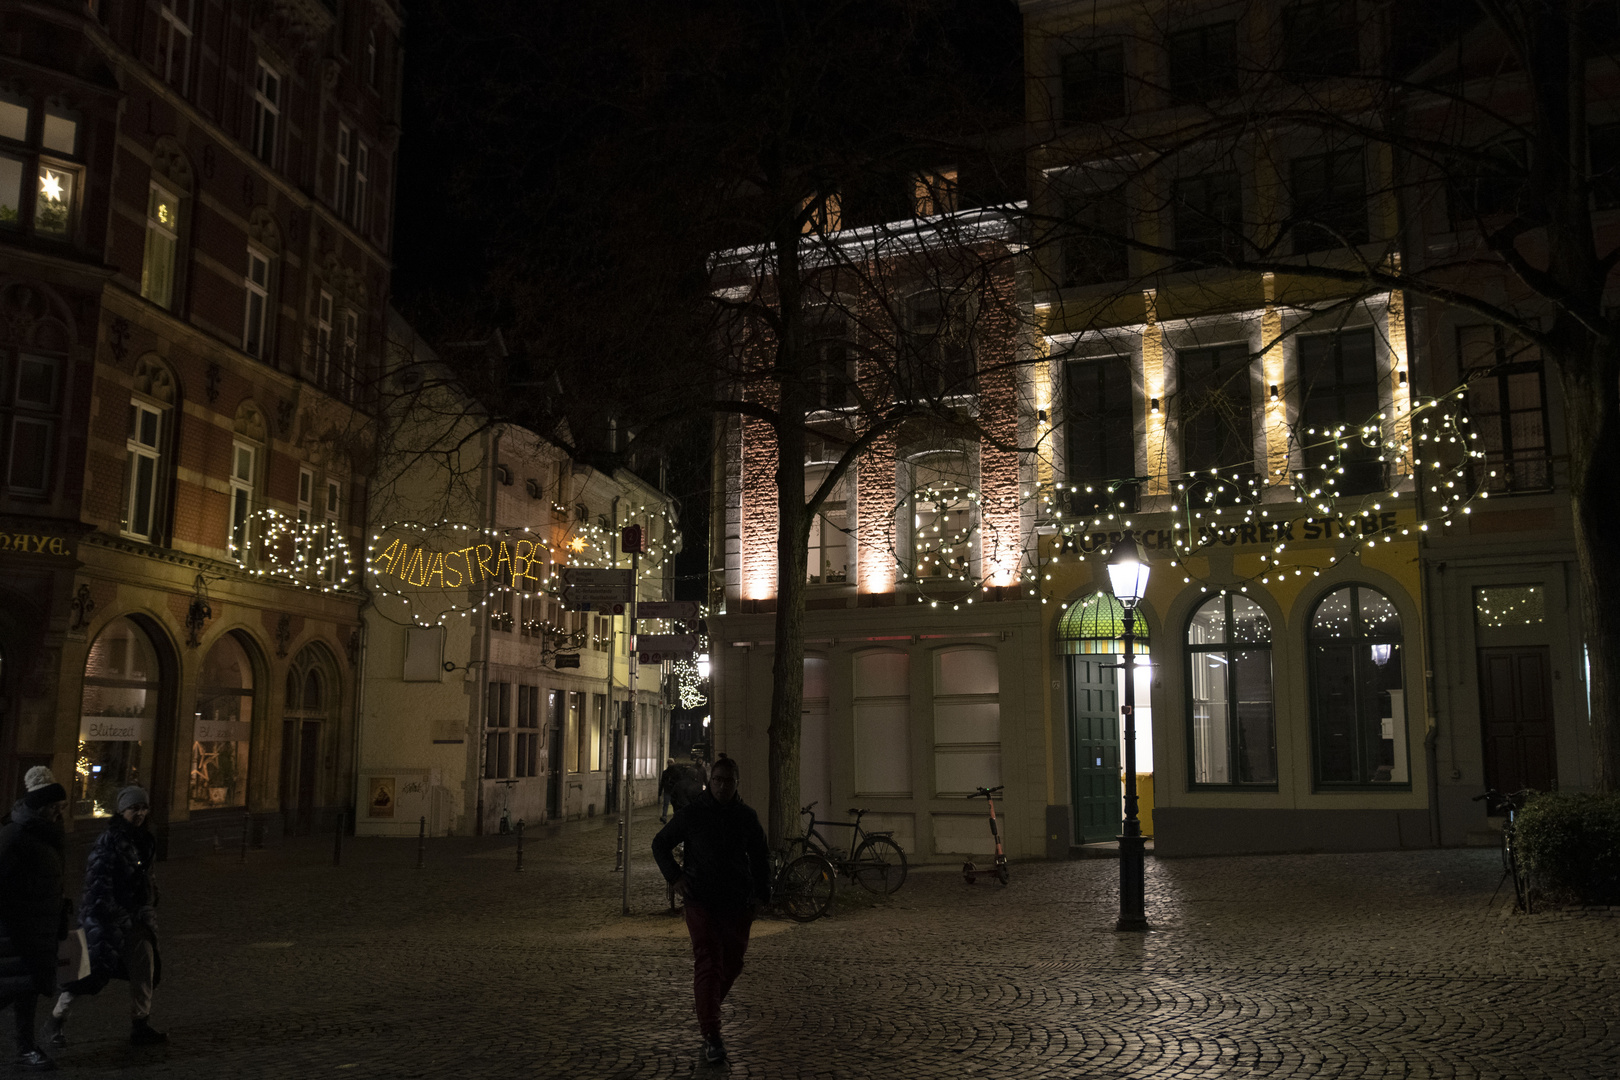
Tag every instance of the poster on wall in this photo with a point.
(380, 804)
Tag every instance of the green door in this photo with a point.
(1094, 747)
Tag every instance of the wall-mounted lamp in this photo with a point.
(1154, 408)
(1273, 391)
(1041, 415)
(1402, 376)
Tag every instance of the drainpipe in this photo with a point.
(491, 448)
(360, 699)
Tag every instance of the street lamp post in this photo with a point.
(1128, 574)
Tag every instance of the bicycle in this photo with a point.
(875, 861)
(1511, 866)
(805, 885)
(969, 871)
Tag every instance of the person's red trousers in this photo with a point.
(719, 940)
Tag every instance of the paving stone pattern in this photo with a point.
(1383, 965)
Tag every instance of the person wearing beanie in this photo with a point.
(119, 920)
(33, 911)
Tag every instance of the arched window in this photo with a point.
(1233, 736)
(117, 720)
(944, 516)
(1358, 703)
(223, 728)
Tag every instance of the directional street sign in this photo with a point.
(660, 657)
(666, 643)
(679, 610)
(601, 607)
(576, 595)
(586, 575)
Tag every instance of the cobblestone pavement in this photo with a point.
(1386, 965)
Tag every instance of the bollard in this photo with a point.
(337, 840)
(247, 832)
(520, 845)
(421, 843)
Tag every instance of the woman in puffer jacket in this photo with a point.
(33, 914)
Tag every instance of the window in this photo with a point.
(370, 59)
(831, 372)
(222, 730)
(943, 517)
(1340, 377)
(1094, 84)
(1603, 144)
(1100, 442)
(362, 168)
(1329, 196)
(500, 610)
(162, 244)
(243, 472)
(1358, 704)
(576, 732)
(40, 174)
(1209, 216)
(526, 760)
(1233, 737)
(1213, 405)
(1490, 182)
(1507, 399)
(498, 732)
(340, 184)
(323, 340)
(344, 382)
(1321, 39)
(1095, 229)
(967, 720)
(35, 400)
(266, 112)
(1203, 63)
(256, 286)
(936, 350)
(598, 730)
(142, 455)
(117, 718)
(934, 193)
(329, 538)
(828, 561)
(882, 722)
(174, 42)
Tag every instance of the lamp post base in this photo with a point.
(1132, 884)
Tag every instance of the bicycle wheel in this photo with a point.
(879, 865)
(805, 887)
(1002, 873)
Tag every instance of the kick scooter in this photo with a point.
(969, 871)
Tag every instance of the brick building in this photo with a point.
(197, 206)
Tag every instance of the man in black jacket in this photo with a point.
(32, 916)
(725, 873)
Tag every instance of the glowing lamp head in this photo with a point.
(1128, 572)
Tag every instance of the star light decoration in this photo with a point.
(1434, 445)
(553, 547)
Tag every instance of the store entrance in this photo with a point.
(1094, 776)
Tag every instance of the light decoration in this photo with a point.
(431, 572)
(1498, 606)
(310, 555)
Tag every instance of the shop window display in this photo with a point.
(1234, 737)
(222, 726)
(118, 718)
(1358, 700)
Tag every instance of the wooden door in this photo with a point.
(288, 786)
(1094, 777)
(1516, 716)
(309, 765)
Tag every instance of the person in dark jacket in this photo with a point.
(33, 914)
(666, 788)
(725, 873)
(119, 920)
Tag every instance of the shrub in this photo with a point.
(1570, 843)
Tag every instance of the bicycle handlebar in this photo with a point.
(985, 793)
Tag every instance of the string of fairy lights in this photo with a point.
(1434, 447)
(310, 555)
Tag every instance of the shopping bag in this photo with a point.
(72, 957)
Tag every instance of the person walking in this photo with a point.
(724, 874)
(120, 921)
(666, 789)
(33, 911)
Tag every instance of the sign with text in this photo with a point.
(576, 576)
(222, 731)
(679, 610)
(660, 657)
(565, 660)
(35, 544)
(115, 728)
(596, 594)
(1316, 529)
(666, 642)
(600, 607)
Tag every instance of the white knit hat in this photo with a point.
(37, 777)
